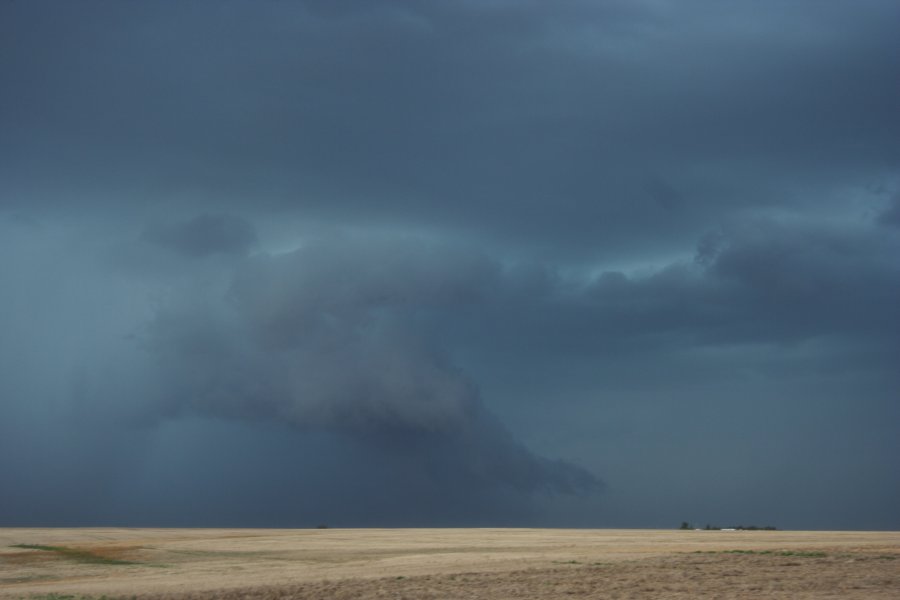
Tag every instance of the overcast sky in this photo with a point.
(450, 262)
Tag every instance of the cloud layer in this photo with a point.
(291, 255)
(326, 338)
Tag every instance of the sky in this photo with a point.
(609, 263)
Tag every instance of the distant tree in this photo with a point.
(685, 525)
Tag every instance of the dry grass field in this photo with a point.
(446, 563)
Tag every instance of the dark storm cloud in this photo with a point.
(553, 127)
(292, 254)
(325, 338)
(766, 281)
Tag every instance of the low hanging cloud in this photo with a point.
(350, 334)
(327, 338)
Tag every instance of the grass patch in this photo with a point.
(795, 553)
(65, 597)
(76, 554)
(23, 579)
(53, 596)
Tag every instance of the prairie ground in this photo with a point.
(446, 563)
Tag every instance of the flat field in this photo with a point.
(446, 563)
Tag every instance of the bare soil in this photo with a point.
(446, 563)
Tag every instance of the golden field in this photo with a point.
(446, 563)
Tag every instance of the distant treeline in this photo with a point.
(686, 525)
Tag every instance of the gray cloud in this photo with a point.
(397, 110)
(325, 338)
(891, 215)
(204, 235)
(339, 249)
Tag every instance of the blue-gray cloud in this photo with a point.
(431, 243)
(326, 338)
(204, 235)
